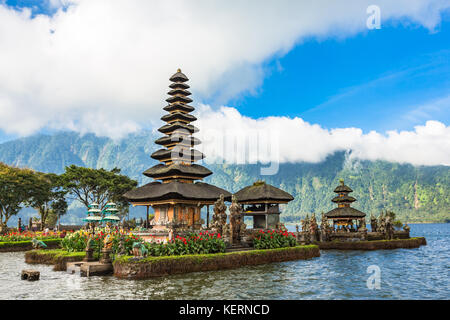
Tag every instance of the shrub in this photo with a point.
(274, 239)
(77, 241)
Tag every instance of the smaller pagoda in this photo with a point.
(344, 216)
(262, 202)
(93, 213)
(110, 213)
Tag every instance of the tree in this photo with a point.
(17, 187)
(97, 185)
(50, 198)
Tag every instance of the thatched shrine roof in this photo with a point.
(261, 191)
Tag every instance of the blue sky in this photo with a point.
(371, 81)
(393, 78)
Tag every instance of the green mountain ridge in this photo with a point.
(415, 193)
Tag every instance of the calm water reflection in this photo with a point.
(405, 274)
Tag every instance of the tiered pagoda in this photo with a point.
(175, 195)
(344, 215)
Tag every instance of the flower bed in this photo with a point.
(273, 239)
(27, 235)
(201, 243)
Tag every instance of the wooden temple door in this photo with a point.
(191, 216)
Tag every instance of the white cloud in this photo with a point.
(102, 66)
(300, 141)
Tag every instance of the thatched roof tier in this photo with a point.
(179, 85)
(178, 107)
(178, 116)
(176, 138)
(262, 192)
(181, 99)
(343, 199)
(177, 125)
(156, 191)
(344, 212)
(342, 188)
(182, 154)
(182, 92)
(177, 169)
(179, 77)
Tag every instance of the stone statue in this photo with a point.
(108, 242)
(389, 228)
(121, 250)
(89, 250)
(381, 223)
(325, 229)
(38, 244)
(139, 249)
(219, 218)
(235, 216)
(305, 226)
(363, 225)
(373, 223)
(313, 228)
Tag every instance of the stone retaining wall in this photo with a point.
(163, 266)
(52, 258)
(15, 246)
(373, 245)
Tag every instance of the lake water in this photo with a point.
(421, 273)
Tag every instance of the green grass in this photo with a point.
(4, 244)
(61, 253)
(199, 257)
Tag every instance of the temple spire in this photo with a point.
(178, 141)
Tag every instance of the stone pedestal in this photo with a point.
(106, 256)
(89, 255)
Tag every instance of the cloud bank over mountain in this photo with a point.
(238, 139)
